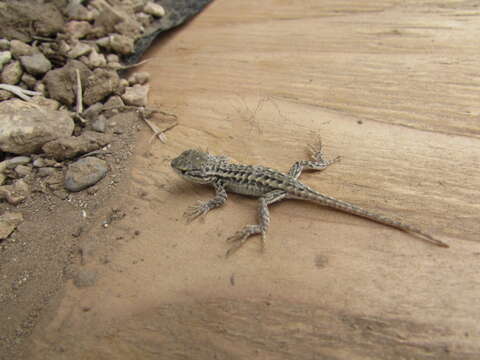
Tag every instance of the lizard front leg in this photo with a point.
(203, 207)
(318, 162)
(240, 237)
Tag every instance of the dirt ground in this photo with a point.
(390, 86)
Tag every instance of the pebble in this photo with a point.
(141, 77)
(17, 160)
(23, 170)
(153, 9)
(100, 124)
(12, 73)
(39, 162)
(78, 29)
(19, 48)
(99, 85)
(45, 171)
(92, 111)
(143, 18)
(5, 57)
(84, 173)
(96, 60)
(136, 95)
(121, 44)
(78, 50)
(76, 11)
(29, 80)
(8, 223)
(36, 64)
(4, 44)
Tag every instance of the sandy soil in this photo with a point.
(389, 86)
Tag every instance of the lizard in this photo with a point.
(269, 186)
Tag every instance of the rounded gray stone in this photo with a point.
(84, 173)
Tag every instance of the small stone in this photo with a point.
(36, 64)
(8, 222)
(143, 18)
(71, 146)
(92, 111)
(104, 42)
(100, 124)
(113, 102)
(19, 48)
(84, 173)
(136, 95)
(78, 50)
(96, 60)
(12, 73)
(4, 44)
(76, 11)
(46, 171)
(5, 57)
(45, 102)
(5, 95)
(39, 162)
(17, 160)
(113, 58)
(15, 193)
(141, 77)
(23, 170)
(99, 85)
(121, 44)
(154, 9)
(29, 80)
(78, 29)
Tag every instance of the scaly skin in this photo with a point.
(269, 186)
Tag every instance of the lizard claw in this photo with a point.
(241, 237)
(195, 211)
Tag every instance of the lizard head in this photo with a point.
(192, 165)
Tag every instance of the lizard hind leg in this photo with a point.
(241, 236)
(318, 162)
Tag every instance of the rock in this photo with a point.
(5, 57)
(92, 111)
(78, 29)
(99, 85)
(26, 127)
(121, 44)
(153, 9)
(39, 162)
(76, 11)
(96, 60)
(104, 42)
(29, 80)
(40, 88)
(143, 18)
(15, 193)
(136, 95)
(19, 49)
(23, 170)
(8, 222)
(5, 95)
(84, 173)
(46, 171)
(141, 77)
(12, 73)
(17, 160)
(84, 277)
(78, 50)
(100, 124)
(61, 83)
(4, 44)
(113, 58)
(36, 64)
(45, 102)
(69, 147)
(113, 102)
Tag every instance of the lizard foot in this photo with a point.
(317, 154)
(195, 211)
(241, 237)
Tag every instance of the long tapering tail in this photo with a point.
(344, 206)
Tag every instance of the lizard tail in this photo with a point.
(344, 206)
